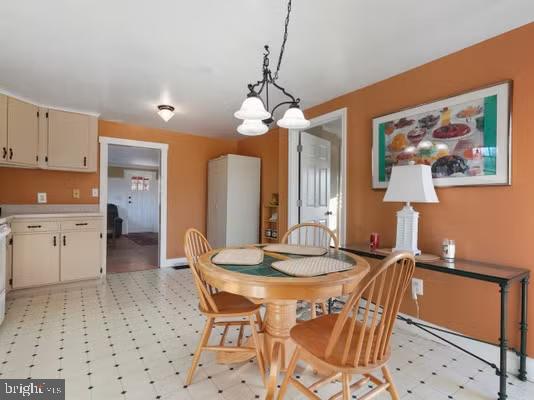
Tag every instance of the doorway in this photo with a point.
(317, 174)
(133, 185)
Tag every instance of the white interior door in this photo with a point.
(143, 204)
(139, 209)
(315, 171)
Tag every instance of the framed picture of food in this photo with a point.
(465, 139)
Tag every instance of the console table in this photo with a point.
(500, 275)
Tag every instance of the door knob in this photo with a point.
(328, 213)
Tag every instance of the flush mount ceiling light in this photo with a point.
(165, 112)
(255, 111)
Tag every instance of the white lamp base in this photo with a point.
(407, 224)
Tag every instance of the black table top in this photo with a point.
(471, 269)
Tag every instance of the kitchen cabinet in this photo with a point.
(21, 146)
(70, 140)
(80, 255)
(53, 250)
(3, 126)
(33, 137)
(35, 259)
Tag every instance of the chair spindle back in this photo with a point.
(311, 234)
(196, 244)
(382, 294)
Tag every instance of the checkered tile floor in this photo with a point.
(132, 336)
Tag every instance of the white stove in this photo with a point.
(4, 232)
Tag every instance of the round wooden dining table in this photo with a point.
(279, 293)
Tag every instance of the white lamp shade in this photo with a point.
(293, 119)
(411, 183)
(165, 114)
(252, 108)
(252, 127)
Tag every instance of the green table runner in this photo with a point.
(265, 269)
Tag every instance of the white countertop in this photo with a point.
(34, 211)
(9, 218)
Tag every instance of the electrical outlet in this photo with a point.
(76, 193)
(417, 288)
(94, 192)
(41, 197)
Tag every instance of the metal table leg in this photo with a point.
(524, 328)
(503, 341)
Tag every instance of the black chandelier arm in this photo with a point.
(293, 99)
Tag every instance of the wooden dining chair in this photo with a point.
(317, 235)
(356, 341)
(215, 304)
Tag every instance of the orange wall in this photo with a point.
(265, 147)
(492, 224)
(186, 186)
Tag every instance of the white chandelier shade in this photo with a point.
(293, 119)
(252, 108)
(252, 127)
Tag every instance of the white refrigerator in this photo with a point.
(233, 200)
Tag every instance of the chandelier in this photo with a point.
(255, 111)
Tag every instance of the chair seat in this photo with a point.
(232, 304)
(313, 336)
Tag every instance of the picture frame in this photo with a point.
(465, 138)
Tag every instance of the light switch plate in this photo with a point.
(41, 197)
(94, 192)
(76, 193)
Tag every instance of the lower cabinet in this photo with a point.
(80, 255)
(46, 252)
(35, 259)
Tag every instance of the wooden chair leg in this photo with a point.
(203, 341)
(259, 321)
(389, 379)
(257, 345)
(346, 386)
(289, 373)
(313, 310)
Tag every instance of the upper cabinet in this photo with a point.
(3, 127)
(19, 133)
(34, 137)
(70, 141)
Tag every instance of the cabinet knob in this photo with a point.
(64, 240)
(55, 241)
(10, 153)
(85, 161)
(4, 152)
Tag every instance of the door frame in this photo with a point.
(105, 141)
(293, 172)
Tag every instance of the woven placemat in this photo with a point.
(311, 266)
(296, 249)
(238, 257)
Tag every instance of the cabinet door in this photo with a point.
(80, 255)
(68, 140)
(22, 132)
(35, 259)
(3, 127)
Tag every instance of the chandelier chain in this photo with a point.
(282, 48)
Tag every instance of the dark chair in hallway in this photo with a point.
(114, 229)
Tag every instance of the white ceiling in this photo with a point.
(122, 58)
(126, 156)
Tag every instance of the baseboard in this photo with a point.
(484, 350)
(174, 262)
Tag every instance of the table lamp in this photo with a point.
(410, 184)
